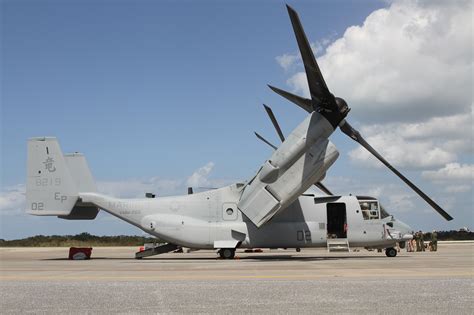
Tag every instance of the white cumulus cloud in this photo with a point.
(290, 61)
(402, 153)
(431, 143)
(12, 200)
(454, 177)
(458, 188)
(409, 61)
(452, 171)
(406, 72)
(200, 177)
(287, 61)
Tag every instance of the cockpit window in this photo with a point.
(383, 212)
(370, 209)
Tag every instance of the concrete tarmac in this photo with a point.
(42, 280)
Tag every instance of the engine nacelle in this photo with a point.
(298, 163)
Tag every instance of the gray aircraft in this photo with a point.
(271, 210)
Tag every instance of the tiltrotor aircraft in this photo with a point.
(271, 210)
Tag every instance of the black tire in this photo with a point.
(402, 244)
(227, 253)
(390, 252)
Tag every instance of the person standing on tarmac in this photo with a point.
(409, 245)
(434, 241)
(422, 241)
(417, 240)
(412, 242)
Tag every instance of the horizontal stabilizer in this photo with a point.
(82, 211)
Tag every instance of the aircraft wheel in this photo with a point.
(390, 252)
(227, 253)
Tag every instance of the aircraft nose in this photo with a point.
(405, 230)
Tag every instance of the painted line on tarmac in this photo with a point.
(227, 277)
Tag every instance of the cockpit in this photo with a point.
(371, 208)
(393, 230)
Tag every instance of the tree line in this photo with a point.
(451, 235)
(79, 240)
(88, 240)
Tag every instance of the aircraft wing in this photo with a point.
(301, 160)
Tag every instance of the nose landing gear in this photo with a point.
(390, 252)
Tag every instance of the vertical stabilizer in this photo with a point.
(50, 188)
(80, 172)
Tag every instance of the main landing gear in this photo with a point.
(390, 252)
(227, 253)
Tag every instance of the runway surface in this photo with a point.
(42, 280)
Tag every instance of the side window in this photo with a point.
(370, 209)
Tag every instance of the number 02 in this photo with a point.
(37, 206)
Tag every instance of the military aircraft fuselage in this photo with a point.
(211, 219)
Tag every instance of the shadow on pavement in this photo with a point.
(254, 258)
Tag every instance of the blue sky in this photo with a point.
(153, 91)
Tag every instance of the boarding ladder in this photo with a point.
(155, 250)
(338, 245)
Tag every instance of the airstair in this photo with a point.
(338, 245)
(155, 250)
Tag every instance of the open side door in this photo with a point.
(337, 220)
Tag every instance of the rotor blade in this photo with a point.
(317, 86)
(323, 188)
(356, 136)
(265, 140)
(304, 103)
(274, 122)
